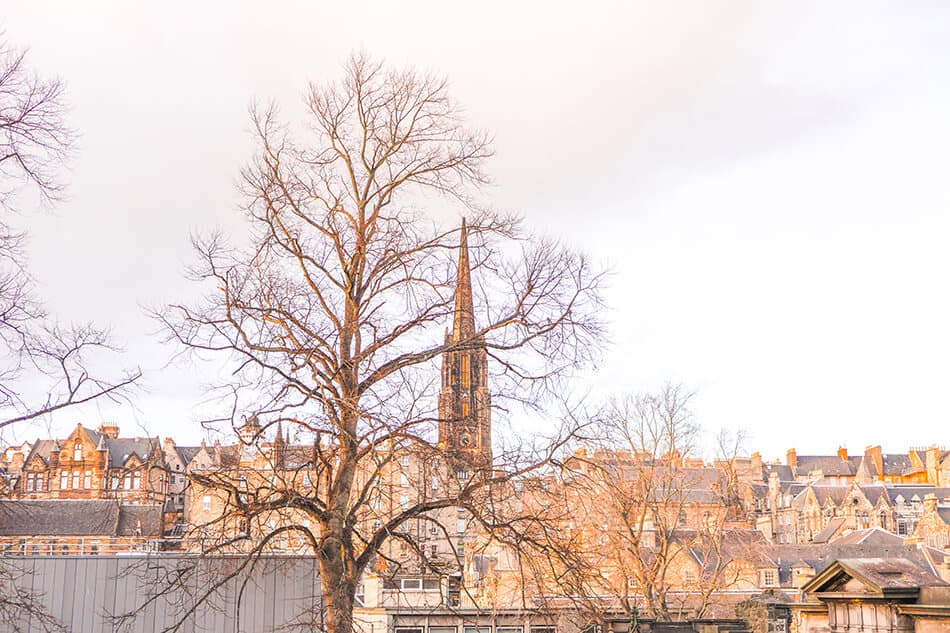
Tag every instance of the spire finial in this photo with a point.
(464, 324)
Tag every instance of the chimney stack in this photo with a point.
(791, 458)
(110, 430)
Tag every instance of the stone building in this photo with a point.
(89, 464)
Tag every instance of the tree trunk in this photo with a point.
(338, 590)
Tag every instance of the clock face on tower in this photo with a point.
(465, 440)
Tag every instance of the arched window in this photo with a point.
(77, 452)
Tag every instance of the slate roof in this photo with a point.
(820, 556)
(944, 513)
(783, 470)
(59, 517)
(829, 530)
(41, 448)
(140, 521)
(829, 465)
(187, 453)
(78, 517)
(834, 493)
(891, 573)
(908, 492)
(870, 536)
(120, 449)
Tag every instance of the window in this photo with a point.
(206, 502)
(689, 576)
(519, 486)
(115, 481)
(63, 479)
(77, 452)
(441, 629)
(435, 486)
(404, 460)
(411, 584)
(404, 501)
(136, 480)
(127, 481)
(508, 629)
(87, 480)
(29, 482)
(376, 525)
(403, 480)
(76, 475)
(477, 629)
(461, 474)
(433, 550)
(768, 578)
(460, 525)
(902, 527)
(39, 482)
(543, 629)
(460, 549)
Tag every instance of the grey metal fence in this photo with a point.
(149, 594)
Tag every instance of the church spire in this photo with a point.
(463, 326)
(464, 402)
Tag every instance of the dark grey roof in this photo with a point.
(891, 573)
(783, 471)
(42, 448)
(819, 556)
(120, 449)
(908, 492)
(93, 435)
(944, 513)
(829, 465)
(874, 536)
(834, 493)
(829, 530)
(897, 464)
(143, 521)
(187, 453)
(59, 517)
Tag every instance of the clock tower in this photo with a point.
(464, 402)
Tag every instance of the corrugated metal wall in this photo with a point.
(86, 593)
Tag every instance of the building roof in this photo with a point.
(783, 471)
(869, 536)
(819, 556)
(829, 465)
(140, 521)
(78, 517)
(879, 574)
(829, 530)
(122, 448)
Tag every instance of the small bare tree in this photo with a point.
(46, 365)
(332, 319)
(650, 530)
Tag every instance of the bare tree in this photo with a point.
(332, 317)
(650, 522)
(46, 365)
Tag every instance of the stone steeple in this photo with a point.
(463, 325)
(464, 402)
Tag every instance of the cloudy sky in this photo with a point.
(767, 181)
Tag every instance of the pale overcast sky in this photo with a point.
(768, 182)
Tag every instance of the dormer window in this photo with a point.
(77, 452)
